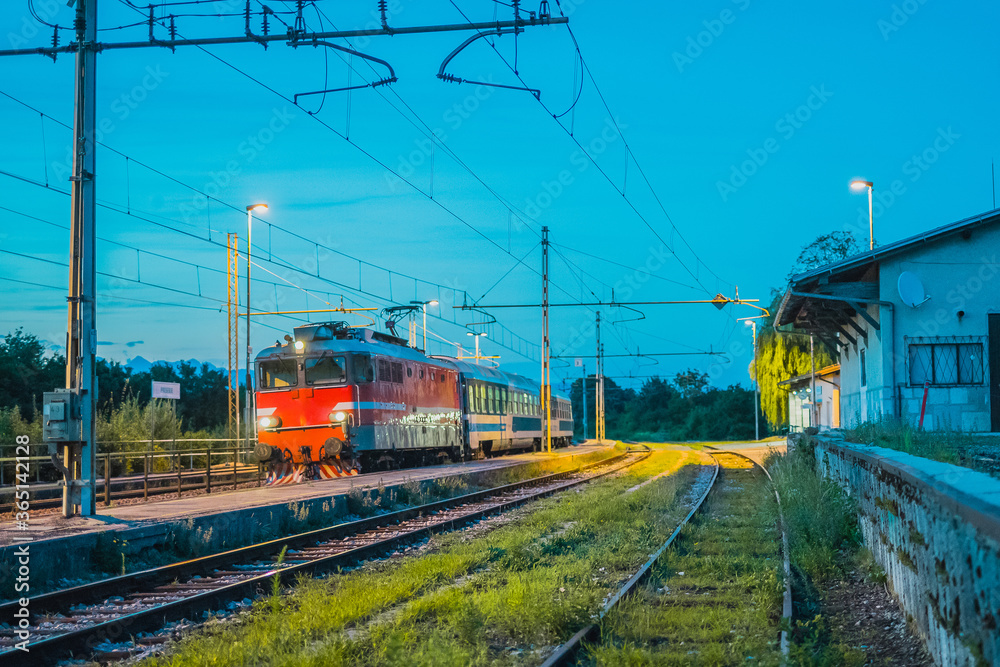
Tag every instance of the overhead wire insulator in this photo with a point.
(543, 10)
(382, 7)
(150, 21)
(173, 32)
(300, 22)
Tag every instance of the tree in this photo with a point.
(26, 372)
(691, 382)
(826, 249)
(780, 357)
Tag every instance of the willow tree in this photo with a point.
(781, 356)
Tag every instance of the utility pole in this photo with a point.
(599, 387)
(583, 386)
(546, 369)
(814, 408)
(232, 318)
(76, 442)
(756, 383)
(79, 455)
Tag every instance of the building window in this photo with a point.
(864, 370)
(946, 363)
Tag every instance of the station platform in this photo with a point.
(51, 524)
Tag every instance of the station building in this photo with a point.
(914, 319)
(805, 409)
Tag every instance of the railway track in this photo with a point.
(74, 622)
(568, 652)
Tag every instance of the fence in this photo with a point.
(160, 467)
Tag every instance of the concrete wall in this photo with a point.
(935, 529)
(957, 274)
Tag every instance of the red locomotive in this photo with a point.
(336, 399)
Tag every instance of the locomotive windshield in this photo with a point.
(278, 373)
(326, 370)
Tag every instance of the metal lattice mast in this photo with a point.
(232, 321)
(546, 368)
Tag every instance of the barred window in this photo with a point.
(946, 363)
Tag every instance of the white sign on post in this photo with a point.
(171, 390)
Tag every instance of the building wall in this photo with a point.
(958, 274)
(798, 413)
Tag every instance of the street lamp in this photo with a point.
(251, 418)
(424, 304)
(756, 380)
(858, 185)
(477, 337)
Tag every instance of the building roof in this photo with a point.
(824, 301)
(825, 372)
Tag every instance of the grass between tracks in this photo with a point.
(502, 593)
(715, 597)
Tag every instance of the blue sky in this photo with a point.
(748, 119)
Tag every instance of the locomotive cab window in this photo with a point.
(326, 370)
(278, 373)
(363, 370)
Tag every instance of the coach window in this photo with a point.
(278, 373)
(505, 407)
(481, 392)
(421, 373)
(326, 369)
(492, 407)
(409, 371)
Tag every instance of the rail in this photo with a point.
(97, 612)
(566, 653)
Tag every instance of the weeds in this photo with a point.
(528, 583)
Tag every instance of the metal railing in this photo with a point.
(177, 465)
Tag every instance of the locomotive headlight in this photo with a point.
(269, 422)
(338, 416)
(299, 346)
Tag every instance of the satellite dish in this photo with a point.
(911, 289)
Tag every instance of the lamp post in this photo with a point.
(756, 381)
(858, 185)
(251, 420)
(477, 337)
(424, 304)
